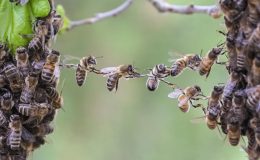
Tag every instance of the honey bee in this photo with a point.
(37, 66)
(250, 149)
(233, 9)
(38, 40)
(35, 111)
(253, 98)
(3, 53)
(40, 95)
(49, 67)
(14, 139)
(115, 73)
(22, 60)
(21, 2)
(7, 102)
(213, 109)
(191, 61)
(86, 65)
(3, 81)
(54, 22)
(208, 61)
(186, 96)
(240, 50)
(255, 71)
(13, 76)
(42, 130)
(55, 97)
(235, 118)
(27, 94)
(231, 84)
(3, 119)
(157, 74)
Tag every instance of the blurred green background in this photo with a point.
(133, 123)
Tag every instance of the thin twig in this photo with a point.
(101, 16)
(162, 6)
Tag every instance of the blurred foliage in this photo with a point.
(17, 20)
(133, 123)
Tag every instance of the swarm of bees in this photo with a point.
(29, 98)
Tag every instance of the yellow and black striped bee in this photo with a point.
(86, 65)
(35, 111)
(13, 76)
(115, 73)
(15, 136)
(214, 108)
(157, 74)
(55, 97)
(233, 10)
(52, 61)
(22, 58)
(207, 61)
(7, 101)
(186, 96)
(191, 61)
(27, 94)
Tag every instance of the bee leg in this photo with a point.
(95, 71)
(168, 83)
(208, 73)
(26, 36)
(117, 84)
(195, 106)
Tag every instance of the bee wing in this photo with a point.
(23, 2)
(175, 94)
(108, 71)
(26, 135)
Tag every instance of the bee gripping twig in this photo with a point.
(101, 16)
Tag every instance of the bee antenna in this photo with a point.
(99, 57)
(201, 51)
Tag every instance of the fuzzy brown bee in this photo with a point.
(231, 85)
(186, 96)
(191, 61)
(13, 76)
(27, 94)
(115, 73)
(52, 61)
(14, 138)
(157, 74)
(22, 59)
(86, 65)
(213, 109)
(233, 9)
(55, 97)
(207, 61)
(7, 101)
(42, 130)
(253, 98)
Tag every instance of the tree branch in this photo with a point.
(163, 6)
(101, 16)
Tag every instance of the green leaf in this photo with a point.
(66, 21)
(17, 20)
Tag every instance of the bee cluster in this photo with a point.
(29, 98)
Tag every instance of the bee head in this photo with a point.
(161, 68)
(14, 117)
(91, 60)
(20, 50)
(2, 46)
(130, 69)
(7, 96)
(197, 88)
(40, 23)
(218, 89)
(239, 97)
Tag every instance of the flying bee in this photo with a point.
(231, 85)
(233, 9)
(157, 74)
(22, 60)
(49, 67)
(7, 101)
(21, 2)
(191, 61)
(42, 129)
(27, 94)
(35, 111)
(55, 97)
(186, 96)
(14, 138)
(115, 73)
(213, 109)
(86, 65)
(208, 61)
(13, 76)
